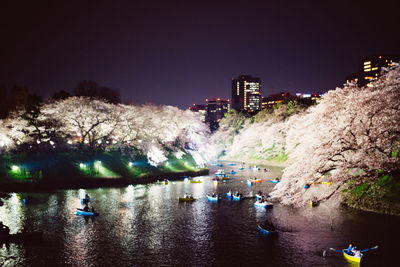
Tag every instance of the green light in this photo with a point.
(15, 168)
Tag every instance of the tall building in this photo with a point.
(215, 111)
(371, 68)
(246, 93)
(201, 109)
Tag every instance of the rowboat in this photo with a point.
(21, 237)
(263, 230)
(86, 213)
(274, 181)
(220, 172)
(251, 181)
(211, 198)
(232, 172)
(351, 257)
(186, 199)
(263, 204)
(236, 197)
(229, 195)
(165, 182)
(240, 168)
(225, 178)
(231, 164)
(195, 181)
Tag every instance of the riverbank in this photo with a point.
(259, 162)
(95, 182)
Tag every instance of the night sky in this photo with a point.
(181, 52)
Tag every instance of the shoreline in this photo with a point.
(90, 182)
(260, 162)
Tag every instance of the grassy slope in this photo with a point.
(379, 195)
(46, 168)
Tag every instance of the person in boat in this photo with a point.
(190, 196)
(350, 249)
(86, 208)
(86, 199)
(357, 254)
(4, 230)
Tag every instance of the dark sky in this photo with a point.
(181, 52)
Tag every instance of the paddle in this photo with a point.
(325, 251)
(369, 249)
(337, 250)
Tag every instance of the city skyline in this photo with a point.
(180, 53)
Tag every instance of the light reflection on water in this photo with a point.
(145, 225)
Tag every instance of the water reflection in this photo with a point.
(146, 225)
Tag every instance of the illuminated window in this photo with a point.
(367, 63)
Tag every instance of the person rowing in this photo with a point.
(86, 200)
(350, 250)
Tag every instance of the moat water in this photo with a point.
(145, 225)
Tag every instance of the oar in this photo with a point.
(369, 249)
(324, 252)
(338, 250)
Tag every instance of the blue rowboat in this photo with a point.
(211, 198)
(232, 172)
(263, 204)
(275, 181)
(263, 230)
(236, 197)
(240, 168)
(229, 195)
(231, 164)
(86, 213)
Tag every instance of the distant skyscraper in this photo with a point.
(371, 68)
(246, 93)
(215, 111)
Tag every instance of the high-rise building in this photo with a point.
(371, 68)
(215, 111)
(201, 109)
(246, 93)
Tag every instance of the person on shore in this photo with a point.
(4, 230)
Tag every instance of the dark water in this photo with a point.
(146, 226)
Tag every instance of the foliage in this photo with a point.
(89, 124)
